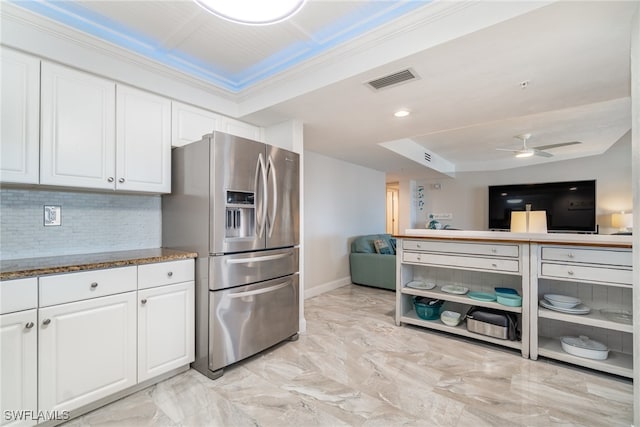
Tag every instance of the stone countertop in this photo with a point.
(619, 241)
(30, 267)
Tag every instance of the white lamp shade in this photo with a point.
(622, 220)
(519, 222)
(537, 222)
(529, 222)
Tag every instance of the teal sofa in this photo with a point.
(370, 268)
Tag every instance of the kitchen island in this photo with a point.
(597, 269)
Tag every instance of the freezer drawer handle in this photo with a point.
(260, 291)
(258, 259)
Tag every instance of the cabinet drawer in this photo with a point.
(587, 274)
(462, 248)
(590, 256)
(165, 273)
(85, 285)
(19, 294)
(478, 263)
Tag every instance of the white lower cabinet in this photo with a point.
(477, 266)
(87, 351)
(601, 278)
(18, 365)
(166, 334)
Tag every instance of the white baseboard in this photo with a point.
(326, 287)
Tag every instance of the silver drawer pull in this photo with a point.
(45, 322)
(571, 255)
(121, 180)
(170, 273)
(570, 272)
(494, 250)
(494, 265)
(418, 245)
(143, 301)
(418, 258)
(94, 285)
(29, 325)
(110, 179)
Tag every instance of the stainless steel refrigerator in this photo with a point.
(235, 201)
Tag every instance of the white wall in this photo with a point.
(466, 196)
(342, 201)
(635, 127)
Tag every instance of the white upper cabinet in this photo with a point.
(20, 117)
(238, 128)
(143, 138)
(96, 136)
(190, 123)
(78, 129)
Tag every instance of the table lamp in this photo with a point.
(622, 221)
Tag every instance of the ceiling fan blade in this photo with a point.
(542, 153)
(512, 150)
(561, 144)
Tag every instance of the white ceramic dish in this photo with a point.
(579, 309)
(455, 289)
(562, 301)
(450, 318)
(582, 346)
(419, 284)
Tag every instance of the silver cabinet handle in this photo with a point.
(571, 255)
(418, 246)
(29, 325)
(170, 273)
(494, 250)
(121, 180)
(110, 179)
(94, 285)
(143, 301)
(494, 265)
(570, 272)
(46, 322)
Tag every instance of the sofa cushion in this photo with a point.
(366, 244)
(382, 247)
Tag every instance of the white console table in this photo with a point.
(595, 268)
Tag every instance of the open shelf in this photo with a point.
(412, 318)
(617, 363)
(594, 318)
(463, 299)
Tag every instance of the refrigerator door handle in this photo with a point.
(261, 209)
(258, 259)
(259, 291)
(271, 170)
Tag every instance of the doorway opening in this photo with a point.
(393, 192)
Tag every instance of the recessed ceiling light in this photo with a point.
(402, 113)
(252, 12)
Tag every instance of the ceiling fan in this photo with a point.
(526, 151)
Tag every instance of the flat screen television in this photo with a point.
(570, 206)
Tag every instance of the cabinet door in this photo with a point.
(143, 148)
(78, 129)
(20, 117)
(166, 332)
(238, 128)
(189, 123)
(18, 367)
(87, 351)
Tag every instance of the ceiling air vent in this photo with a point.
(392, 79)
(427, 157)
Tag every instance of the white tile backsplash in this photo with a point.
(91, 222)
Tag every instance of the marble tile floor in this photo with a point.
(354, 367)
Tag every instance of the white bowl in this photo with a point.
(562, 301)
(450, 318)
(582, 346)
